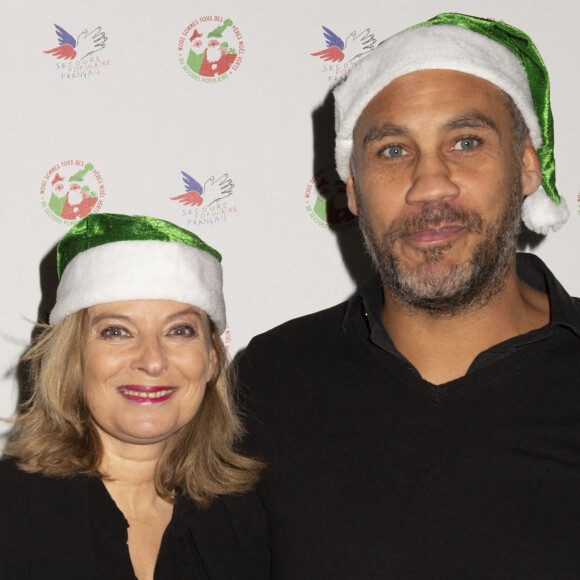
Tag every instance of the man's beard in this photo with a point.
(440, 290)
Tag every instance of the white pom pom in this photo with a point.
(540, 213)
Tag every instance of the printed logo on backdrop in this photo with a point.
(209, 204)
(77, 58)
(210, 49)
(341, 52)
(326, 201)
(70, 190)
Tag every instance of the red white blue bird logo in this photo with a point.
(354, 46)
(213, 190)
(84, 45)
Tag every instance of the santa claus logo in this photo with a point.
(210, 48)
(71, 190)
(326, 201)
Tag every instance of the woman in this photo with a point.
(123, 463)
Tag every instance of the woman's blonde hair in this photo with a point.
(56, 435)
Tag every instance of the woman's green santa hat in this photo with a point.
(492, 50)
(113, 257)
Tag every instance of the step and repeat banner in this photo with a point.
(217, 116)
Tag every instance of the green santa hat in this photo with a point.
(112, 257)
(491, 50)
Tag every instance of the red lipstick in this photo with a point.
(146, 394)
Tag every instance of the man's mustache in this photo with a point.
(434, 216)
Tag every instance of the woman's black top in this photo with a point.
(69, 528)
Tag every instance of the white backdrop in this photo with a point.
(118, 127)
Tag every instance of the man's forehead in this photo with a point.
(441, 82)
(451, 89)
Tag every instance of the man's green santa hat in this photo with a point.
(112, 257)
(492, 50)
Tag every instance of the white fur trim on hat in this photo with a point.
(142, 270)
(540, 213)
(440, 46)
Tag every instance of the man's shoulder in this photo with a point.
(324, 324)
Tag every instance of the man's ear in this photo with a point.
(531, 172)
(351, 195)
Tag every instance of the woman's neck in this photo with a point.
(129, 471)
(130, 480)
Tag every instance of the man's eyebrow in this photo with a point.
(471, 121)
(378, 132)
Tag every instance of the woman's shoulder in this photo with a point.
(14, 482)
(38, 497)
(15, 493)
(11, 474)
(244, 511)
(44, 532)
(23, 491)
(9, 469)
(232, 533)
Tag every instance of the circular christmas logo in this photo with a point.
(70, 190)
(210, 49)
(326, 201)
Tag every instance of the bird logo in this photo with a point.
(86, 43)
(213, 190)
(354, 46)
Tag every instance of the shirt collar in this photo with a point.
(564, 310)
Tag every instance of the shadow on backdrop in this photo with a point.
(348, 238)
(48, 285)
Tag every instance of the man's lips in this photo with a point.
(146, 394)
(430, 235)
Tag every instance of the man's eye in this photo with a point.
(393, 151)
(466, 144)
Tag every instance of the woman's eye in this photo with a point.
(114, 332)
(183, 330)
(393, 151)
(466, 144)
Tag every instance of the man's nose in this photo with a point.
(431, 181)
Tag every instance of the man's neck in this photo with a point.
(442, 347)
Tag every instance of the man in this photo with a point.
(430, 426)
